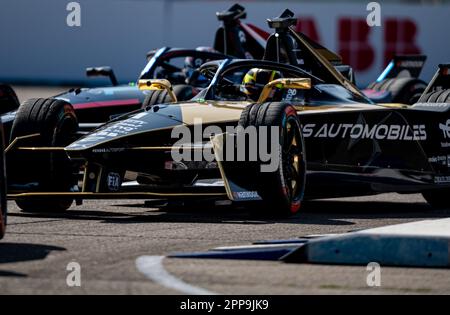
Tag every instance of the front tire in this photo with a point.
(282, 190)
(56, 124)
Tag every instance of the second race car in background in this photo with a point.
(399, 82)
(98, 105)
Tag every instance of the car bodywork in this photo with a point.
(353, 146)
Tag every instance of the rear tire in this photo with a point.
(282, 190)
(407, 90)
(56, 123)
(183, 93)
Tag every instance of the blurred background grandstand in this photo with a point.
(38, 47)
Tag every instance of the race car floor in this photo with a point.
(107, 237)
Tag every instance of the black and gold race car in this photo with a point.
(267, 131)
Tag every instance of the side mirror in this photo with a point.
(286, 83)
(158, 84)
(102, 72)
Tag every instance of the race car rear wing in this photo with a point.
(282, 24)
(403, 66)
(287, 45)
(239, 39)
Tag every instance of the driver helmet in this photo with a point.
(255, 80)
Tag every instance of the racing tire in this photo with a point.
(56, 124)
(8, 99)
(403, 90)
(183, 93)
(281, 190)
(437, 198)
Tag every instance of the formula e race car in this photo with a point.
(262, 130)
(399, 82)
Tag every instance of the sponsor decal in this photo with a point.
(118, 129)
(245, 195)
(410, 64)
(290, 94)
(113, 181)
(108, 150)
(365, 131)
(443, 159)
(445, 129)
(442, 179)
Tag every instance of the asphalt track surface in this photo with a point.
(108, 237)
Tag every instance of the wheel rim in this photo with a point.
(293, 160)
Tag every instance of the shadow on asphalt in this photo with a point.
(4, 273)
(319, 212)
(19, 252)
(373, 209)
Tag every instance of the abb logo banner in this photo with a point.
(354, 39)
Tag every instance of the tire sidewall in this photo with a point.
(273, 187)
(289, 114)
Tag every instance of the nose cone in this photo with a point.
(137, 123)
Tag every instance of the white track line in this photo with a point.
(153, 269)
